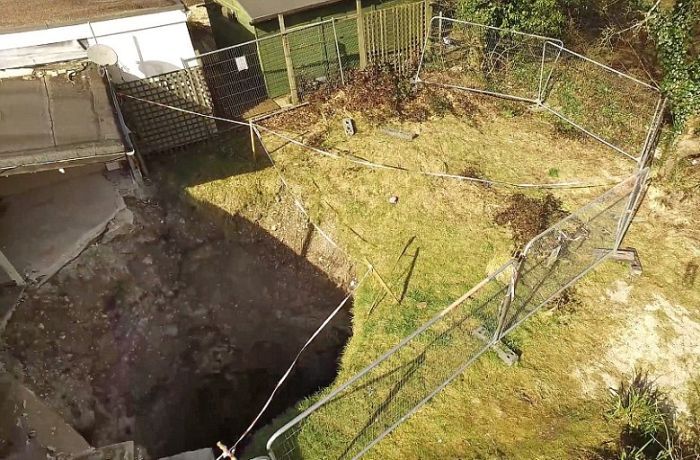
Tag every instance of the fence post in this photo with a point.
(337, 50)
(428, 17)
(252, 141)
(440, 27)
(508, 299)
(288, 61)
(361, 43)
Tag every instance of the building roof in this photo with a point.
(262, 10)
(19, 15)
(55, 120)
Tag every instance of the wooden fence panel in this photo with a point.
(394, 36)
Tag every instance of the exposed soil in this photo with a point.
(174, 332)
(380, 96)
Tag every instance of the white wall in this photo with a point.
(146, 45)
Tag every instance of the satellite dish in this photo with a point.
(102, 55)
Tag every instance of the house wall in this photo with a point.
(241, 30)
(146, 45)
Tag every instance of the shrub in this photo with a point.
(545, 17)
(650, 431)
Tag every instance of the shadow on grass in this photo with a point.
(394, 388)
(227, 155)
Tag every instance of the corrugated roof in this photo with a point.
(262, 10)
(20, 15)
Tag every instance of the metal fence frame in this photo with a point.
(545, 79)
(384, 357)
(440, 20)
(628, 191)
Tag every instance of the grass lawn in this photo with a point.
(437, 242)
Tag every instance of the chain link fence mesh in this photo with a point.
(486, 59)
(616, 108)
(348, 420)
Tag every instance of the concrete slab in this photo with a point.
(25, 121)
(201, 454)
(29, 429)
(55, 119)
(45, 228)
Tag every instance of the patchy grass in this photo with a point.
(538, 409)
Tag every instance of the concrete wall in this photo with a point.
(147, 45)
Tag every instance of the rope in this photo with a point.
(370, 164)
(373, 165)
(296, 360)
(297, 201)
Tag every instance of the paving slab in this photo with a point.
(201, 454)
(25, 120)
(56, 119)
(45, 228)
(29, 429)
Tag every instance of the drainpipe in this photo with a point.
(133, 157)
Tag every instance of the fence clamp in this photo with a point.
(225, 451)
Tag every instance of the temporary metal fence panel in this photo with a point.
(348, 43)
(615, 108)
(484, 59)
(561, 255)
(235, 78)
(157, 129)
(246, 79)
(316, 57)
(348, 420)
(610, 106)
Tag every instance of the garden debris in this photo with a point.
(528, 216)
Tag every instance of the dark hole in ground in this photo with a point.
(175, 334)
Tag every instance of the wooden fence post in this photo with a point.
(361, 43)
(428, 17)
(288, 61)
